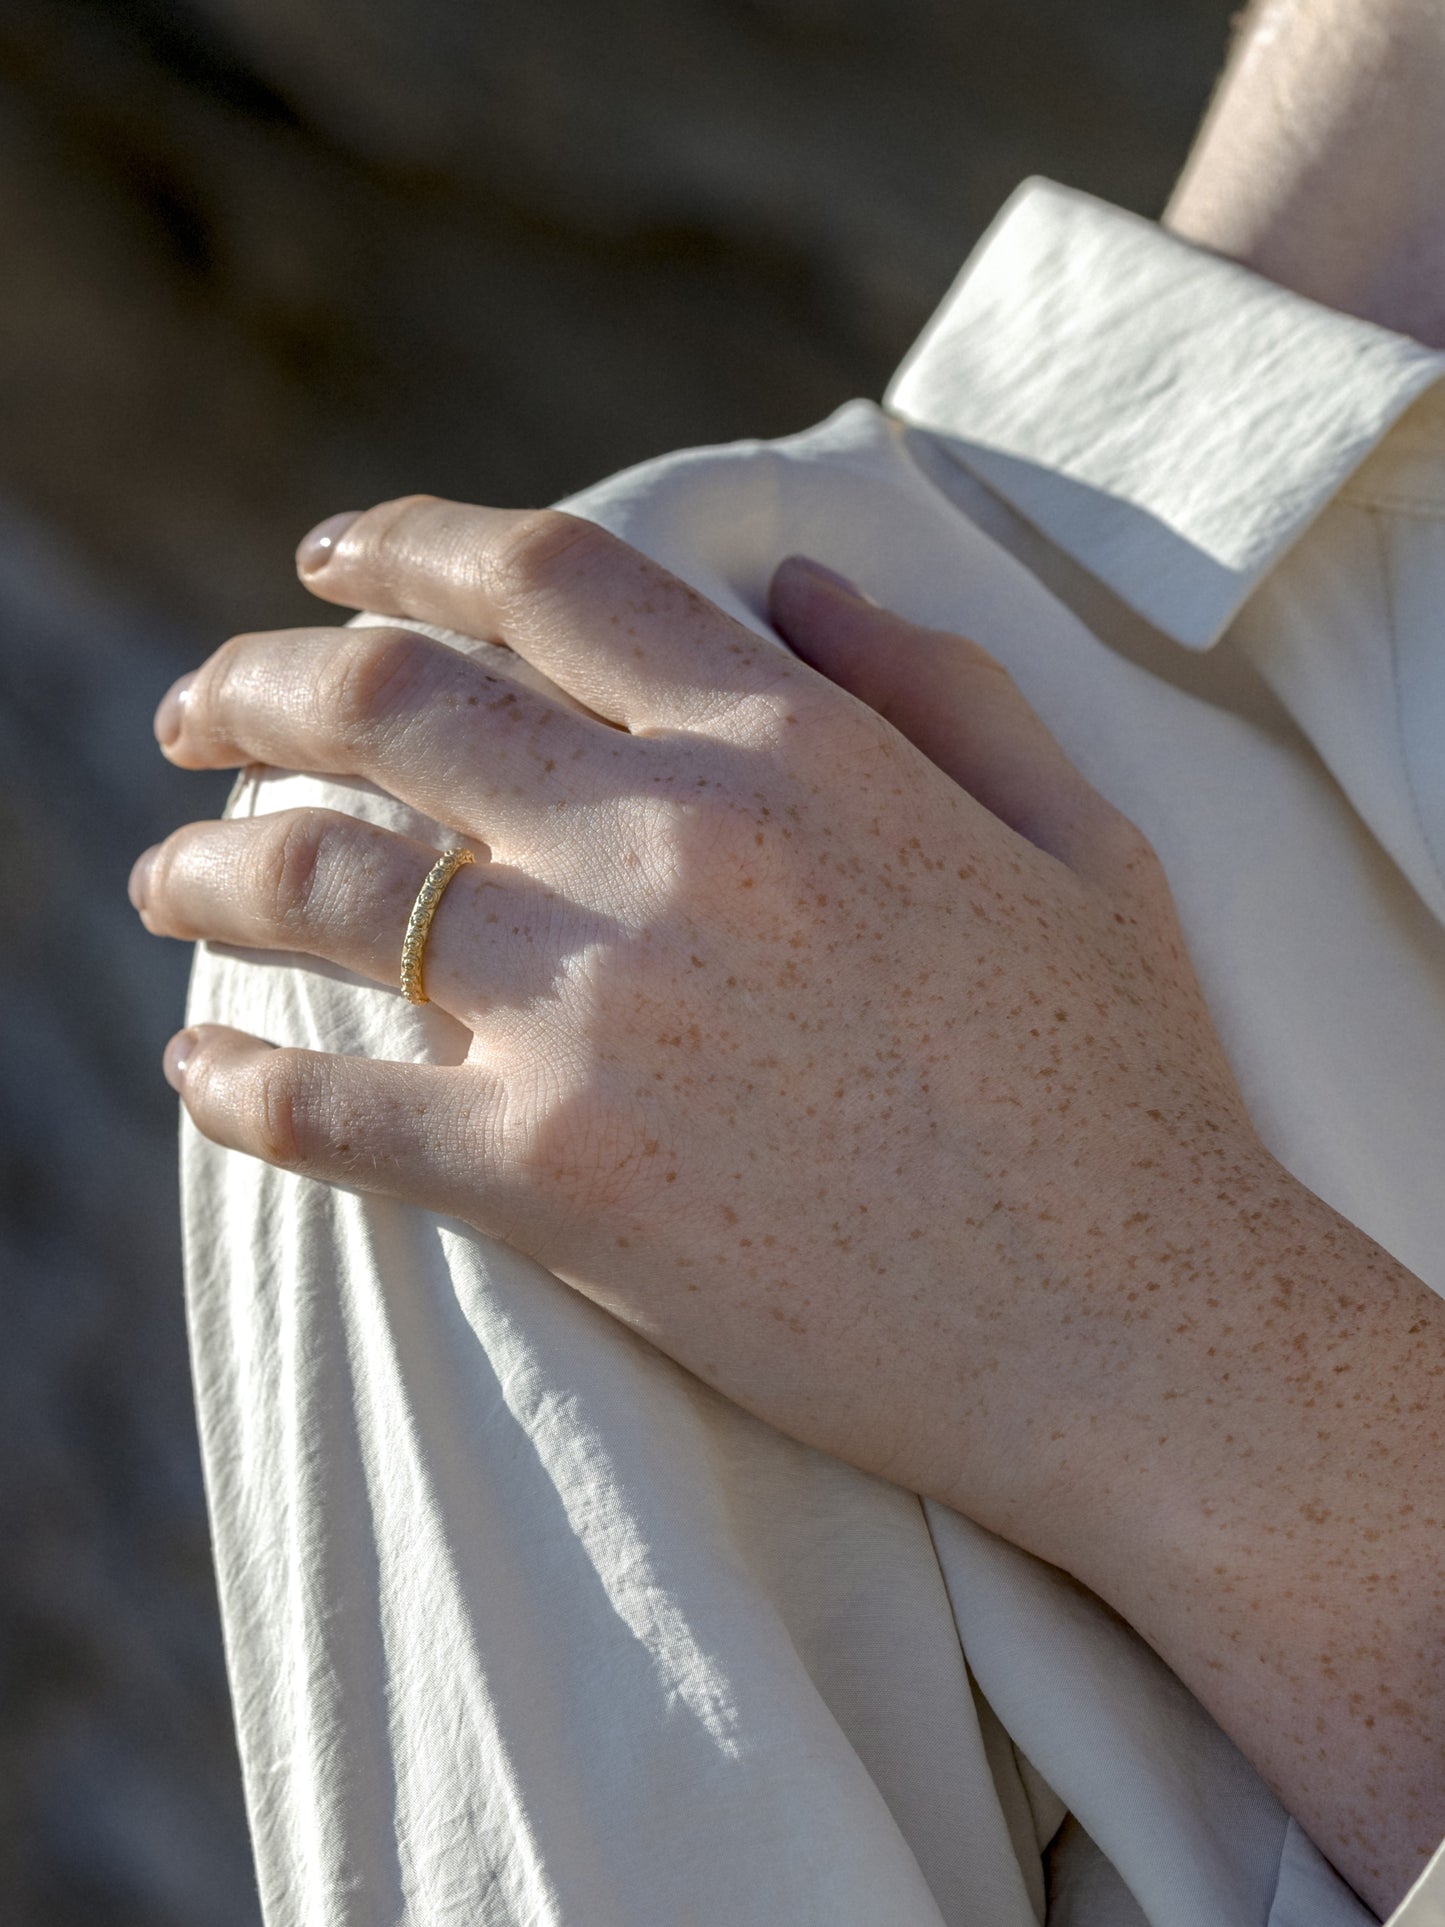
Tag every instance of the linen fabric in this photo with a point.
(526, 1625)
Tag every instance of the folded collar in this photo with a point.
(1168, 419)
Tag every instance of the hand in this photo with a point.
(828, 1029)
(861, 1074)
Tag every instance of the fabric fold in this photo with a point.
(1170, 420)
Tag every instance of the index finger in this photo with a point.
(614, 629)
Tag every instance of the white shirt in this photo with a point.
(525, 1624)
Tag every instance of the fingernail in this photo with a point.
(317, 548)
(139, 886)
(822, 573)
(177, 1057)
(172, 712)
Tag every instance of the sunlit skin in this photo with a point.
(969, 1200)
(1322, 160)
(817, 1019)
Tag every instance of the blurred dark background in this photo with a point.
(265, 259)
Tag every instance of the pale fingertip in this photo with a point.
(177, 1061)
(138, 886)
(316, 548)
(171, 715)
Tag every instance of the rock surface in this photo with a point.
(267, 259)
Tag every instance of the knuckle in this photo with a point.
(386, 515)
(389, 537)
(372, 677)
(168, 857)
(528, 558)
(165, 890)
(571, 1148)
(215, 688)
(778, 712)
(384, 534)
(290, 861)
(387, 522)
(279, 1109)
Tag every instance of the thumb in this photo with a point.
(958, 705)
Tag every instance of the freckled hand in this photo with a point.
(829, 1030)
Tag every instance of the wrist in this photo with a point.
(1259, 1363)
(1265, 1510)
(1144, 1354)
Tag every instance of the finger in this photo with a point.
(620, 633)
(457, 739)
(327, 885)
(961, 708)
(413, 1131)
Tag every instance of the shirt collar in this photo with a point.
(1167, 418)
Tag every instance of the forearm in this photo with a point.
(1322, 161)
(1266, 1507)
(1275, 1534)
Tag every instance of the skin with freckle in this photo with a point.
(829, 1030)
(751, 1025)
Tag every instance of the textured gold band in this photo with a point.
(413, 944)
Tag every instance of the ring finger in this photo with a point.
(327, 885)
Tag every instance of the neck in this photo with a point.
(1321, 162)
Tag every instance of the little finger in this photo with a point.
(413, 1131)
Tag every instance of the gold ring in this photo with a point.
(418, 924)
